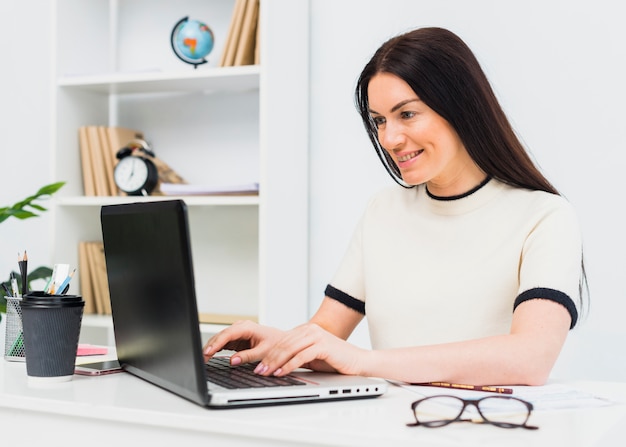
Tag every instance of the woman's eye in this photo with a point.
(378, 121)
(407, 115)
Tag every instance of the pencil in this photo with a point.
(23, 264)
(66, 283)
(460, 386)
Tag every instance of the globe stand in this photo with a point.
(201, 30)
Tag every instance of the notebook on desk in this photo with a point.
(155, 316)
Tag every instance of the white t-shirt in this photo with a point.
(432, 271)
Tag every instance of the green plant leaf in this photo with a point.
(25, 209)
(19, 212)
(50, 189)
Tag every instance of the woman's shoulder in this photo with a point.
(540, 203)
(535, 196)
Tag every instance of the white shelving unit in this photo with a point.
(113, 65)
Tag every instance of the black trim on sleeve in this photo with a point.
(552, 295)
(345, 299)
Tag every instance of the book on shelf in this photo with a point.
(108, 158)
(242, 39)
(94, 285)
(86, 287)
(101, 183)
(257, 46)
(98, 148)
(89, 187)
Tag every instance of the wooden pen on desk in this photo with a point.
(459, 386)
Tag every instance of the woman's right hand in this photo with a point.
(251, 341)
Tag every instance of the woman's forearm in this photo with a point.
(523, 357)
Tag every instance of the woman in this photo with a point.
(471, 272)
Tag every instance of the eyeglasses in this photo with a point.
(501, 411)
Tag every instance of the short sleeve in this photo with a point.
(349, 277)
(552, 253)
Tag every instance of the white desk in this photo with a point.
(119, 409)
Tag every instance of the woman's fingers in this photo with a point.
(251, 341)
(236, 337)
(311, 346)
(300, 346)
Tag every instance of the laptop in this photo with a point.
(155, 316)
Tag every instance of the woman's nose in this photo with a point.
(391, 137)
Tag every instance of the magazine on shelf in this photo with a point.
(184, 189)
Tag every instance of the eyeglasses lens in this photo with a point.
(504, 410)
(438, 410)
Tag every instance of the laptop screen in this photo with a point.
(151, 283)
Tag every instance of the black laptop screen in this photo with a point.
(151, 283)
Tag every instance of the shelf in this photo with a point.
(240, 78)
(98, 329)
(217, 200)
(213, 125)
(105, 322)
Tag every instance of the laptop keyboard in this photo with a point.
(220, 372)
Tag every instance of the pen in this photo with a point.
(65, 285)
(18, 345)
(7, 291)
(14, 288)
(491, 389)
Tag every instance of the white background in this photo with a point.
(558, 67)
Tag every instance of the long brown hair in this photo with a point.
(444, 73)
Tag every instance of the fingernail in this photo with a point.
(260, 367)
(278, 371)
(208, 349)
(235, 360)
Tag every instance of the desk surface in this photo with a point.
(112, 408)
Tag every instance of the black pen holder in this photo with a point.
(14, 339)
(51, 332)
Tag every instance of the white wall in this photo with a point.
(24, 126)
(558, 68)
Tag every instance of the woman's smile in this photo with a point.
(407, 157)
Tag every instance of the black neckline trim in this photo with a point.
(460, 196)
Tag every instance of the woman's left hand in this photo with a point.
(310, 346)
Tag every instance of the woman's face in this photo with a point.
(424, 145)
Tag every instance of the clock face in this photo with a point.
(131, 174)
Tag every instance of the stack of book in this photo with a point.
(94, 284)
(98, 147)
(242, 41)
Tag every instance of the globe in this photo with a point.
(192, 41)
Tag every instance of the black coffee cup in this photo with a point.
(51, 331)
